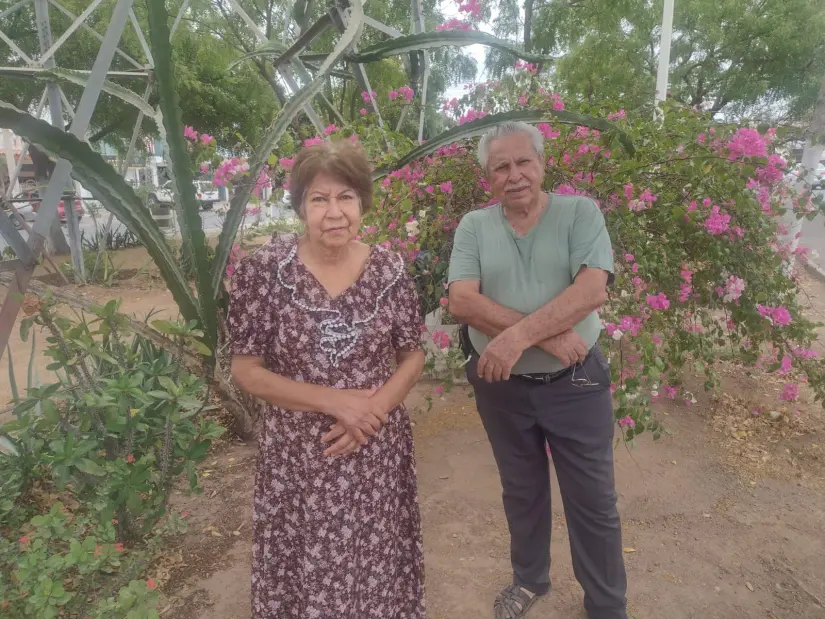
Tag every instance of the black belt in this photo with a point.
(551, 377)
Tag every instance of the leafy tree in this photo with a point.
(216, 102)
(739, 58)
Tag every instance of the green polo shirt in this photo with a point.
(524, 273)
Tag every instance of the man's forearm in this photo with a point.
(489, 317)
(559, 315)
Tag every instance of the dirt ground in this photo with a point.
(723, 519)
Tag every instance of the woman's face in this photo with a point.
(332, 212)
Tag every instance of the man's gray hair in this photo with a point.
(505, 129)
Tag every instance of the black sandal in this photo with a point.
(514, 602)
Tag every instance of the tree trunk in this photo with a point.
(56, 243)
(528, 25)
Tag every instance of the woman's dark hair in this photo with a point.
(343, 161)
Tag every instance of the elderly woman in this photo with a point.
(327, 331)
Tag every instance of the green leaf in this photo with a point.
(482, 125)
(434, 40)
(25, 328)
(91, 467)
(8, 447)
(159, 395)
(116, 90)
(199, 450)
(166, 327)
(50, 411)
(111, 190)
(15, 396)
(242, 192)
(192, 474)
(167, 383)
(180, 170)
(202, 348)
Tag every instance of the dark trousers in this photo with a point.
(578, 424)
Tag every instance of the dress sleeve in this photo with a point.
(407, 325)
(250, 318)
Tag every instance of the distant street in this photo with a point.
(212, 222)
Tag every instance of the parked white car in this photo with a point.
(206, 193)
(819, 176)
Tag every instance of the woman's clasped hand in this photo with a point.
(359, 415)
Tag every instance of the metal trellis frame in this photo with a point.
(29, 250)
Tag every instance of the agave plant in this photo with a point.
(107, 186)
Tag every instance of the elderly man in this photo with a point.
(527, 276)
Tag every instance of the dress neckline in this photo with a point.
(355, 283)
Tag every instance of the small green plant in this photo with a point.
(88, 463)
(105, 274)
(113, 240)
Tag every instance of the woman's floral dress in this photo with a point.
(334, 538)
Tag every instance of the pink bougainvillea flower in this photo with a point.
(734, 288)
(313, 141)
(190, 133)
(331, 129)
(658, 301)
(446, 187)
(406, 93)
(206, 140)
(453, 24)
(441, 339)
(548, 132)
(790, 393)
(471, 7)
(717, 222)
(627, 422)
(363, 111)
(617, 115)
(777, 315)
(747, 143)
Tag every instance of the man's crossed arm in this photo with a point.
(549, 327)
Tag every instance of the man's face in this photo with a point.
(515, 171)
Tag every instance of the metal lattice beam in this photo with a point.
(48, 207)
(44, 33)
(95, 34)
